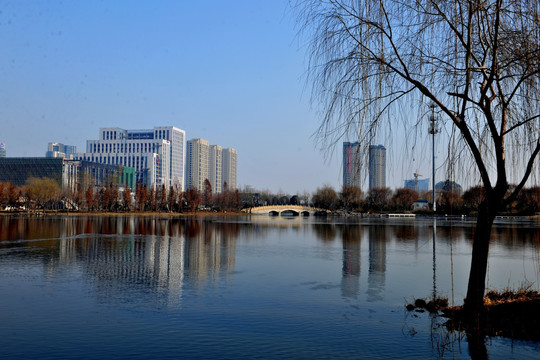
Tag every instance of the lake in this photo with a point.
(246, 287)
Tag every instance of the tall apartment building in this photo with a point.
(230, 163)
(215, 167)
(352, 159)
(197, 163)
(377, 166)
(157, 154)
(205, 161)
(55, 150)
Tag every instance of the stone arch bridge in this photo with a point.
(293, 210)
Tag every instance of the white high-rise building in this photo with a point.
(157, 154)
(197, 163)
(215, 165)
(230, 160)
(212, 162)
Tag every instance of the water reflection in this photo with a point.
(162, 255)
(352, 244)
(377, 262)
(303, 282)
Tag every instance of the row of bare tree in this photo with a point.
(45, 193)
(448, 202)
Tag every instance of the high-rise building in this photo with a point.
(215, 167)
(351, 164)
(230, 162)
(2, 150)
(157, 154)
(197, 163)
(377, 166)
(205, 161)
(55, 150)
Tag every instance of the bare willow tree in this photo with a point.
(477, 62)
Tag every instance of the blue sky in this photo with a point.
(230, 72)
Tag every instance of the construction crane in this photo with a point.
(416, 175)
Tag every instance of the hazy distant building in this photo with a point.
(229, 172)
(417, 185)
(377, 166)
(351, 164)
(2, 150)
(157, 154)
(197, 163)
(215, 168)
(55, 150)
(448, 185)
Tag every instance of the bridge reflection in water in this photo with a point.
(286, 210)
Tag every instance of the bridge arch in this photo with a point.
(284, 210)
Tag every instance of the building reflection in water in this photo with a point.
(377, 262)
(352, 243)
(166, 256)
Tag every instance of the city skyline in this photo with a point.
(239, 81)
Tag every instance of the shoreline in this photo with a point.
(117, 214)
(403, 215)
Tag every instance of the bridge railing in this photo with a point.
(282, 208)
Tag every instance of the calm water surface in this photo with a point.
(235, 287)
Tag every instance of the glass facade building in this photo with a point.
(18, 170)
(66, 172)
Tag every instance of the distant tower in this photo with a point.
(2, 150)
(351, 164)
(377, 166)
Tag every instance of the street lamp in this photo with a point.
(433, 130)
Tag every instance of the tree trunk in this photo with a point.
(474, 303)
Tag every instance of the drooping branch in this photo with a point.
(526, 175)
